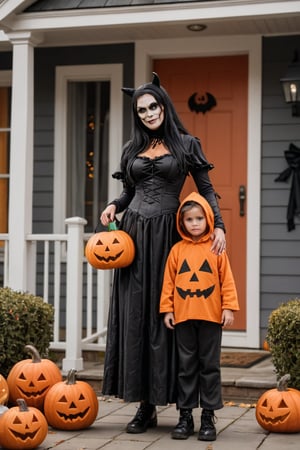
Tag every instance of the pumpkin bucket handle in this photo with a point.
(112, 226)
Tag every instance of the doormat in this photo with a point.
(242, 360)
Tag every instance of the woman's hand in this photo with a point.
(219, 241)
(227, 317)
(169, 320)
(108, 215)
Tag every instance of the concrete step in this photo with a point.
(238, 384)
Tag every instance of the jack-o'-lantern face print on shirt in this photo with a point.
(195, 282)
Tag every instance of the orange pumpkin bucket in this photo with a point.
(110, 249)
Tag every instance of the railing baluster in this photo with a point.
(57, 268)
(46, 272)
(89, 300)
(55, 248)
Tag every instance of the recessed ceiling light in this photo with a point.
(196, 27)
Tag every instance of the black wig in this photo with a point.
(169, 132)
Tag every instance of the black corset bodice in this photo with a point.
(158, 183)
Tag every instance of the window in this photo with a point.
(87, 141)
(87, 149)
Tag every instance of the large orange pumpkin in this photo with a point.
(22, 427)
(71, 404)
(110, 249)
(4, 392)
(31, 379)
(278, 410)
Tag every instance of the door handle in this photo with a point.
(242, 198)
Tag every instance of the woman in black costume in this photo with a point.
(140, 363)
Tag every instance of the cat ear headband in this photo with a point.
(131, 91)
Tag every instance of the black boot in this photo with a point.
(185, 426)
(145, 418)
(207, 430)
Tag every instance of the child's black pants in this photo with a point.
(199, 375)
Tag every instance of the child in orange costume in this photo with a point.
(198, 298)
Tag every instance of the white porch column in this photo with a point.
(21, 158)
(75, 252)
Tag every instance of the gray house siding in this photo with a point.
(280, 249)
(46, 60)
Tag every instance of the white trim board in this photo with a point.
(97, 72)
(145, 52)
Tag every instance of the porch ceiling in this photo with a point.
(159, 21)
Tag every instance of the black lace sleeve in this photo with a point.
(194, 154)
(198, 168)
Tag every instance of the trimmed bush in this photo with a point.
(283, 337)
(24, 319)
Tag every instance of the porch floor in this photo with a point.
(238, 384)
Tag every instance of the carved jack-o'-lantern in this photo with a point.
(110, 249)
(278, 410)
(22, 427)
(4, 392)
(189, 276)
(71, 404)
(31, 379)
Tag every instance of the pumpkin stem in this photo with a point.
(112, 226)
(34, 353)
(283, 382)
(71, 377)
(22, 404)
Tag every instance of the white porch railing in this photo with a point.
(60, 274)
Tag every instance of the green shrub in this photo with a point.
(283, 337)
(24, 319)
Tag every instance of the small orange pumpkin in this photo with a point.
(4, 391)
(22, 427)
(110, 249)
(71, 404)
(278, 409)
(31, 379)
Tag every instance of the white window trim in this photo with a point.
(98, 72)
(145, 52)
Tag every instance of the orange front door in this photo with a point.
(194, 85)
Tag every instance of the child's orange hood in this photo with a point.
(194, 196)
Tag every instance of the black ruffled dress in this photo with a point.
(140, 361)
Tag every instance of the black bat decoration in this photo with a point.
(202, 105)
